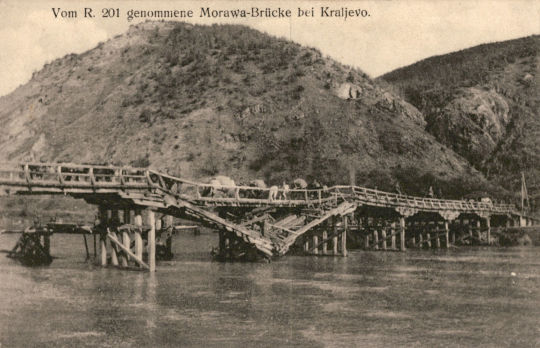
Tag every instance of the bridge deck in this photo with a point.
(90, 180)
(180, 197)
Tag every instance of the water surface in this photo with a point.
(469, 297)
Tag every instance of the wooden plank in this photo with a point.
(127, 242)
(251, 221)
(262, 243)
(341, 209)
(85, 247)
(114, 255)
(290, 232)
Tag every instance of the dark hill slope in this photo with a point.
(483, 102)
(202, 100)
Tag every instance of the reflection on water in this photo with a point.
(466, 297)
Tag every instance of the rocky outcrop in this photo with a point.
(484, 103)
(348, 91)
(473, 122)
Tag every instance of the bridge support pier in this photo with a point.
(325, 244)
(103, 250)
(137, 221)
(152, 241)
(95, 246)
(393, 234)
(446, 236)
(168, 228)
(470, 227)
(221, 248)
(437, 236)
(488, 223)
(366, 240)
(47, 243)
(402, 233)
(412, 232)
(428, 233)
(103, 221)
(479, 231)
(114, 250)
(335, 238)
(344, 236)
(126, 241)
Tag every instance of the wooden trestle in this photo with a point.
(137, 206)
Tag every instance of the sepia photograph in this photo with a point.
(267, 173)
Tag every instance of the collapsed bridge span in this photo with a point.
(255, 221)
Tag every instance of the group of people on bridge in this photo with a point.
(260, 190)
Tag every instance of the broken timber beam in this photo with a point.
(127, 251)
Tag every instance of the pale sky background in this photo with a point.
(397, 33)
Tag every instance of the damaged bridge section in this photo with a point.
(252, 222)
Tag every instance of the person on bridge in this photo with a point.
(430, 192)
(315, 185)
(272, 193)
(398, 189)
(300, 184)
(285, 191)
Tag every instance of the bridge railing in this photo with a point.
(238, 193)
(92, 176)
(372, 195)
(68, 175)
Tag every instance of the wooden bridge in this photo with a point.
(252, 222)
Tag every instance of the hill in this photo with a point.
(484, 103)
(201, 100)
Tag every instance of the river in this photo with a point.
(468, 297)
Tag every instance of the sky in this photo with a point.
(394, 33)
